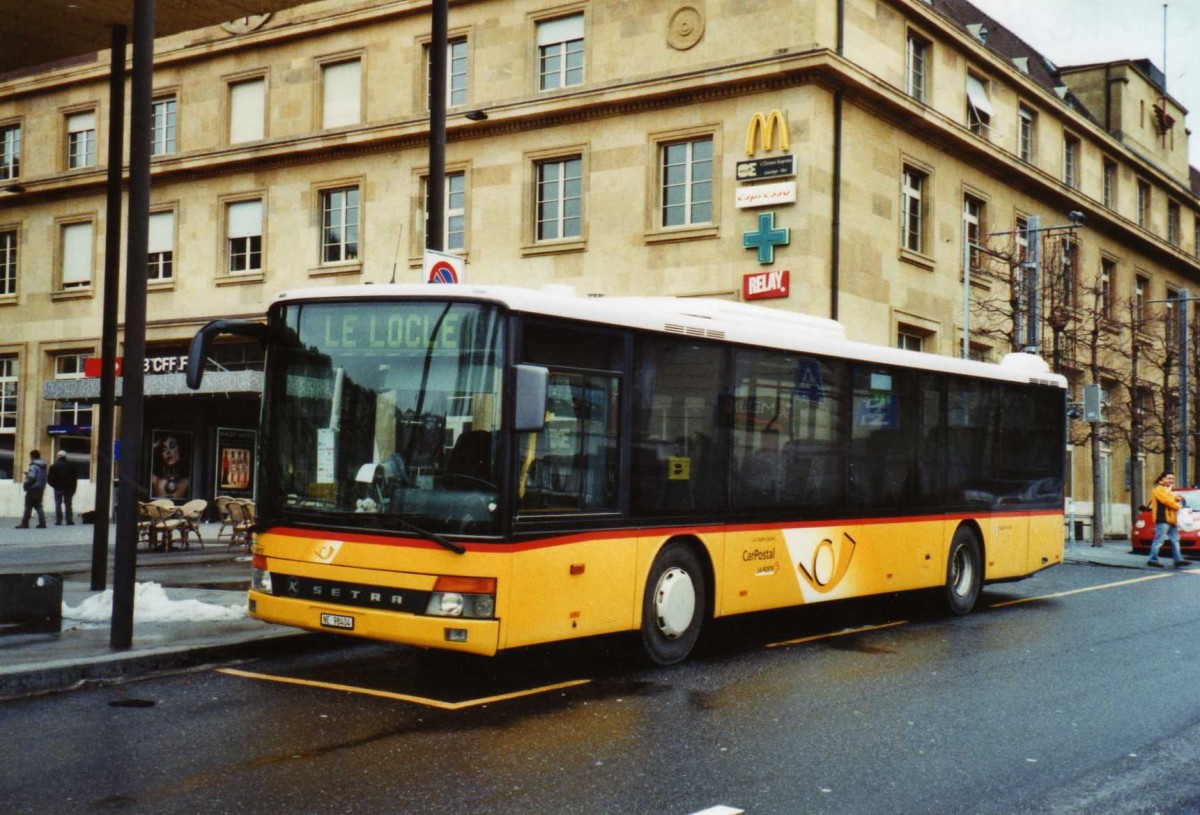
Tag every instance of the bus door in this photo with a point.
(580, 581)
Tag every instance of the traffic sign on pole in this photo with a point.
(440, 267)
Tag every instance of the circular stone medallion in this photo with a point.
(685, 28)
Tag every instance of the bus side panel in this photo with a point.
(1006, 546)
(1045, 541)
(775, 568)
(571, 590)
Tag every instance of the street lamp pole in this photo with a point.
(435, 193)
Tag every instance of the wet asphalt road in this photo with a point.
(1086, 702)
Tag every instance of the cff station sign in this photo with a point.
(766, 285)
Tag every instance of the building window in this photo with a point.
(979, 107)
(81, 140)
(1173, 223)
(8, 262)
(456, 73)
(1108, 272)
(1025, 133)
(244, 236)
(559, 199)
(1110, 183)
(912, 229)
(687, 182)
(973, 220)
(560, 52)
(1071, 161)
(909, 340)
(454, 227)
(1172, 316)
(1143, 204)
(10, 152)
(456, 64)
(339, 225)
(915, 67)
(341, 93)
(1140, 285)
(9, 390)
(77, 246)
(74, 419)
(161, 247)
(247, 110)
(162, 127)
(1068, 271)
(1196, 236)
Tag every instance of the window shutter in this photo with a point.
(246, 111)
(245, 219)
(77, 254)
(343, 94)
(563, 29)
(162, 232)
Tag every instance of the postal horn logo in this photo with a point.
(828, 565)
(762, 129)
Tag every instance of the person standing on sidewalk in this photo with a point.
(1164, 508)
(63, 480)
(35, 488)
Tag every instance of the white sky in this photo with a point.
(1074, 32)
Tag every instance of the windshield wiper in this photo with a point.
(425, 533)
(338, 519)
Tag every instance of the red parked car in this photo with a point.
(1143, 530)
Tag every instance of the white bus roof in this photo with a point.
(706, 318)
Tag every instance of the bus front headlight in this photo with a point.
(260, 578)
(466, 597)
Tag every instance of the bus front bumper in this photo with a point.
(447, 633)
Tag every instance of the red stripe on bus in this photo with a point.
(667, 531)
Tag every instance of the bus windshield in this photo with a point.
(384, 415)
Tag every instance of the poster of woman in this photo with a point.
(235, 461)
(170, 464)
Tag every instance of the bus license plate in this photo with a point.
(337, 621)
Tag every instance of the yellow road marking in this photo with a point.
(836, 634)
(1080, 591)
(404, 697)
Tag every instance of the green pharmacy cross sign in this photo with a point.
(766, 238)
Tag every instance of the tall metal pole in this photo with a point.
(1184, 344)
(435, 209)
(137, 242)
(966, 339)
(108, 336)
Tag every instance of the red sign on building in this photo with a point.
(766, 285)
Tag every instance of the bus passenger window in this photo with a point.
(571, 465)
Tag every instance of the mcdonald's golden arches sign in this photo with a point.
(762, 130)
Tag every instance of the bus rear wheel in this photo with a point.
(673, 605)
(964, 572)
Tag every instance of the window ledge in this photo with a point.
(336, 269)
(553, 248)
(161, 285)
(679, 234)
(81, 293)
(917, 259)
(8, 300)
(239, 279)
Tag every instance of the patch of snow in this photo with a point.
(152, 605)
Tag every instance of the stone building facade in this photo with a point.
(616, 146)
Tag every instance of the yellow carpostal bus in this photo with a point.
(478, 468)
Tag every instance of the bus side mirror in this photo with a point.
(532, 386)
(202, 344)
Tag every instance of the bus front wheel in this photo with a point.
(673, 605)
(964, 572)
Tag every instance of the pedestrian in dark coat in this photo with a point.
(62, 480)
(35, 488)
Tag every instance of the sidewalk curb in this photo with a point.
(121, 666)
